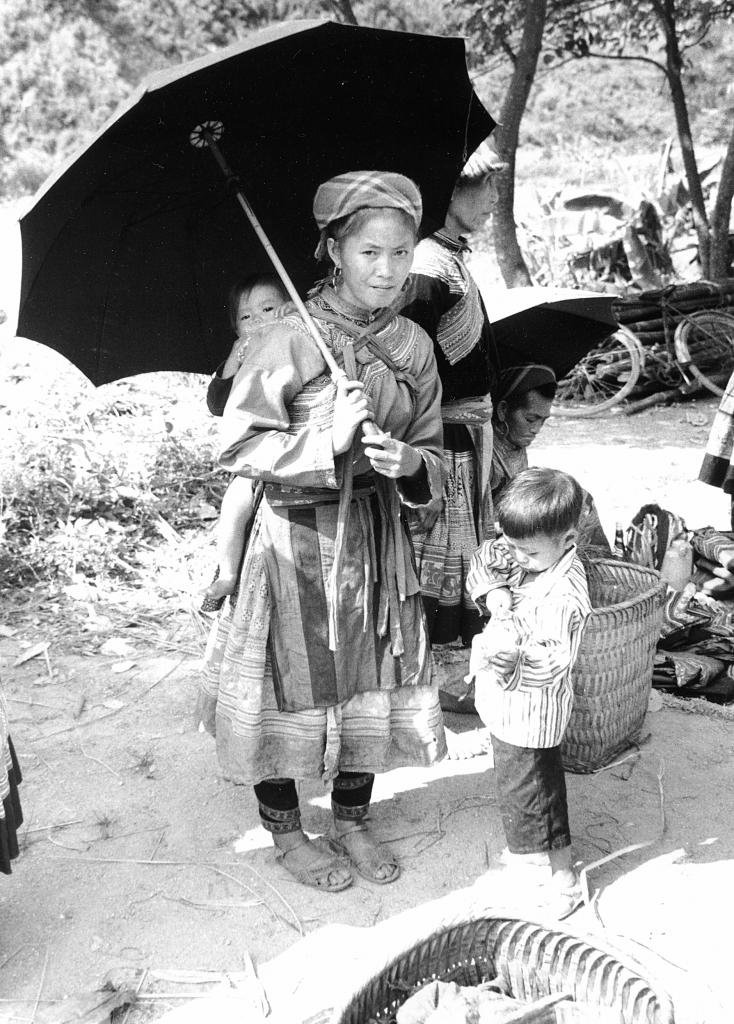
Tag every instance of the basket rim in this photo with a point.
(658, 586)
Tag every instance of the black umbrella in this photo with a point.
(554, 326)
(130, 250)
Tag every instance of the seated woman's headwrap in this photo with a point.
(484, 160)
(357, 190)
(516, 381)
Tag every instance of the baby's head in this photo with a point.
(255, 300)
(539, 511)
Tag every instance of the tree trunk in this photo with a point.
(510, 258)
(343, 10)
(673, 62)
(721, 215)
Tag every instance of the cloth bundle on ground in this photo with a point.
(445, 1002)
(695, 655)
(714, 571)
(448, 1002)
(660, 540)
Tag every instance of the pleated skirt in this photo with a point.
(394, 721)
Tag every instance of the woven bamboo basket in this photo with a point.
(530, 960)
(612, 676)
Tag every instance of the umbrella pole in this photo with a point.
(207, 135)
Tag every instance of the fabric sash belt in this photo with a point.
(472, 411)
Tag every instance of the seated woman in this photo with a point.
(525, 396)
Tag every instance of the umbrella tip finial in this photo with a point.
(207, 129)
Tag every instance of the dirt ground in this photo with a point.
(139, 863)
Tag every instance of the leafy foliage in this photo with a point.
(606, 100)
(90, 480)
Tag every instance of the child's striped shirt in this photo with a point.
(532, 706)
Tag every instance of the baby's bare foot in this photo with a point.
(223, 586)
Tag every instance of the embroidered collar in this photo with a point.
(347, 310)
(459, 246)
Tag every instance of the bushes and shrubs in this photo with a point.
(90, 481)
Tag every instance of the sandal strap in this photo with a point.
(355, 825)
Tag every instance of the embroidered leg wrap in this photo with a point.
(278, 805)
(351, 794)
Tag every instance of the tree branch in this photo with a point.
(697, 42)
(622, 56)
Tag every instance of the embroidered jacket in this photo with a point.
(445, 301)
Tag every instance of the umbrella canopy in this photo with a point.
(129, 251)
(555, 326)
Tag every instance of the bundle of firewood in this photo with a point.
(650, 314)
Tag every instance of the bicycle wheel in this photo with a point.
(704, 346)
(603, 378)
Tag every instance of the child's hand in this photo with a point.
(505, 660)
(427, 515)
(495, 648)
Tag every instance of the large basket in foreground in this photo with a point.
(612, 676)
(532, 961)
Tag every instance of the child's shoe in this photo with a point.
(525, 884)
(561, 903)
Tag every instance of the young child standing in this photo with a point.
(533, 588)
(253, 302)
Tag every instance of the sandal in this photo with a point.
(365, 855)
(317, 874)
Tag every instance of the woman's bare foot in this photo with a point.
(463, 745)
(318, 863)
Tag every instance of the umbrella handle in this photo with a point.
(208, 134)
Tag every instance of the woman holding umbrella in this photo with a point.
(445, 301)
(322, 670)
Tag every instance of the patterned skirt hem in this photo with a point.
(378, 733)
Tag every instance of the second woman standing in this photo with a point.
(445, 301)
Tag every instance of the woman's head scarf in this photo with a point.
(357, 190)
(516, 381)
